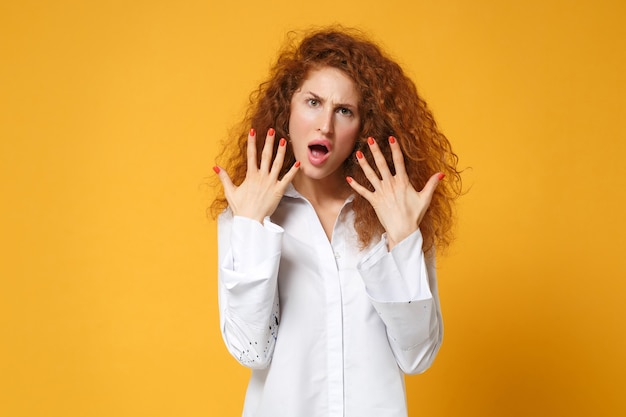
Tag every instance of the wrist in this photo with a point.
(250, 216)
(394, 239)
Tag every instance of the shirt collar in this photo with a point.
(293, 193)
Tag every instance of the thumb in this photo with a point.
(430, 187)
(224, 179)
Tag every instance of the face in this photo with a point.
(324, 122)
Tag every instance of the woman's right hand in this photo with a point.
(261, 191)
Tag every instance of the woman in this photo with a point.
(327, 285)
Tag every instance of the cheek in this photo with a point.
(347, 141)
(349, 134)
(297, 122)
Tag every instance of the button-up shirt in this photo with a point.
(327, 328)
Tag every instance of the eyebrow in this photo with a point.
(346, 105)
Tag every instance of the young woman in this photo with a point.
(334, 201)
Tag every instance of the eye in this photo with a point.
(313, 102)
(344, 111)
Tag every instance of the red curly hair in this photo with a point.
(389, 105)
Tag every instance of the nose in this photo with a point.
(326, 122)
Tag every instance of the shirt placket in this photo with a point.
(329, 255)
(334, 325)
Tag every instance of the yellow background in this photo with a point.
(110, 117)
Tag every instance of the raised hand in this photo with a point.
(399, 207)
(261, 191)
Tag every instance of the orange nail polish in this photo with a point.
(252, 132)
(440, 176)
(271, 132)
(392, 139)
(349, 179)
(359, 154)
(216, 169)
(297, 164)
(370, 140)
(282, 142)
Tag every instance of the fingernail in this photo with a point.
(271, 132)
(370, 140)
(440, 176)
(392, 139)
(282, 142)
(359, 154)
(252, 132)
(349, 179)
(216, 169)
(297, 164)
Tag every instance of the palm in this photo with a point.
(399, 206)
(260, 192)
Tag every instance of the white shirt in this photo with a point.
(327, 329)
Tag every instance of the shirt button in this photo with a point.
(337, 255)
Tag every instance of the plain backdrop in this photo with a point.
(112, 112)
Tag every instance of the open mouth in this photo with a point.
(318, 150)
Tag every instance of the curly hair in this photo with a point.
(389, 106)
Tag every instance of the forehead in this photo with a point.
(330, 83)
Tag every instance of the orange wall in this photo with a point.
(110, 116)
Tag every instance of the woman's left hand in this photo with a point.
(399, 207)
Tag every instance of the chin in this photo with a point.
(312, 173)
(315, 173)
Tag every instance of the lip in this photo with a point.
(317, 160)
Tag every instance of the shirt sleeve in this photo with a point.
(249, 256)
(402, 286)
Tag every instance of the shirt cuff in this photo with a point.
(399, 275)
(253, 243)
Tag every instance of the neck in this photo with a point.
(323, 190)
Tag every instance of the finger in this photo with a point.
(430, 187)
(251, 152)
(277, 165)
(379, 159)
(289, 176)
(367, 169)
(397, 156)
(268, 150)
(224, 179)
(364, 192)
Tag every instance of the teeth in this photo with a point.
(318, 150)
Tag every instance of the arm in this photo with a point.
(402, 287)
(400, 282)
(249, 255)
